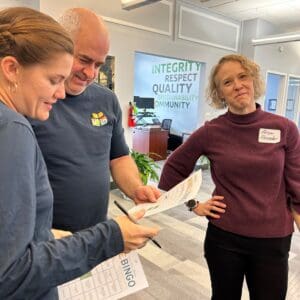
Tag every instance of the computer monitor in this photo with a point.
(144, 102)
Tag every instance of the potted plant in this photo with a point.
(146, 166)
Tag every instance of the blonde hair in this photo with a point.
(31, 36)
(251, 68)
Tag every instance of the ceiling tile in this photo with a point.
(280, 12)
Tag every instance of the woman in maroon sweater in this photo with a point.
(255, 165)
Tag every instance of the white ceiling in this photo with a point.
(283, 13)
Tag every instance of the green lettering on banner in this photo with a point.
(175, 67)
(198, 65)
(155, 69)
(189, 98)
(181, 67)
(181, 77)
(179, 105)
(173, 88)
(169, 68)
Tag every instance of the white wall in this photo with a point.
(126, 40)
(283, 57)
(29, 3)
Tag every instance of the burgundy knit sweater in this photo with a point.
(255, 165)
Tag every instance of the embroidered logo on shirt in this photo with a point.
(269, 136)
(98, 119)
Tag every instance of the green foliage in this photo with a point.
(204, 161)
(146, 166)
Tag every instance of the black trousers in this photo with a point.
(262, 261)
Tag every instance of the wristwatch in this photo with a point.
(191, 204)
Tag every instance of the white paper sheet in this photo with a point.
(115, 278)
(183, 191)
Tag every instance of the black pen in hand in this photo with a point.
(122, 209)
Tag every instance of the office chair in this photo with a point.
(173, 140)
(156, 121)
(166, 124)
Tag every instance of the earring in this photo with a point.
(224, 103)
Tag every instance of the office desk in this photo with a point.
(151, 140)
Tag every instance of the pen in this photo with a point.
(122, 209)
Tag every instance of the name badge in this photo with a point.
(269, 136)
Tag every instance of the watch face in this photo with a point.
(191, 203)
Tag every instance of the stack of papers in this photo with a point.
(182, 192)
(123, 274)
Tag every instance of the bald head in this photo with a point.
(79, 19)
(91, 45)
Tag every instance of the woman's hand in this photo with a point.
(58, 234)
(135, 236)
(213, 207)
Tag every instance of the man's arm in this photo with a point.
(126, 175)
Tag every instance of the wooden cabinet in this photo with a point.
(151, 140)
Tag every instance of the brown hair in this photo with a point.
(251, 68)
(31, 36)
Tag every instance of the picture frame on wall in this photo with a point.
(106, 76)
(272, 104)
(290, 104)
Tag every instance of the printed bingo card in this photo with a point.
(115, 278)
